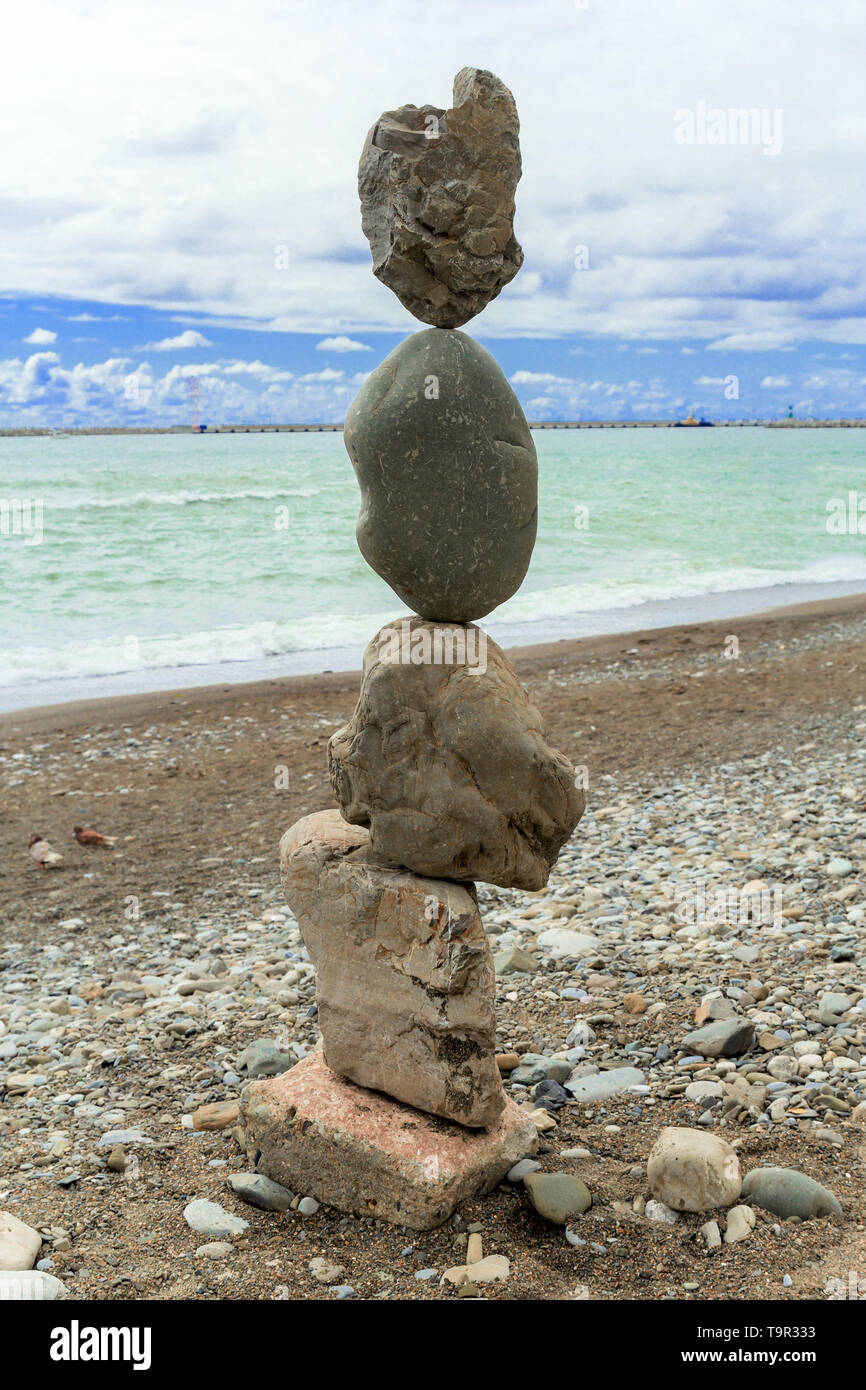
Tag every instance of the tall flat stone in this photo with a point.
(361, 1152)
(447, 763)
(448, 476)
(405, 986)
(437, 200)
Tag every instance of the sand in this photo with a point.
(198, 787)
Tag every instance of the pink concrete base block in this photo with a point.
(362, 1152)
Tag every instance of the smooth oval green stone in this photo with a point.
(448, 476)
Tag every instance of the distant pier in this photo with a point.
(205, 430)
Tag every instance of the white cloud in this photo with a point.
(773, 383)
(523, 378)
(342, 344)
(41, 337)
(572, 398)
(717, 244)
(766, 341)
(188, 339)
(260, 370)
(24, 382)
(118, 391)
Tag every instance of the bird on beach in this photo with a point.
(93, 838)
(45, 855)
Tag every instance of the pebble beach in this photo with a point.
(696, 962)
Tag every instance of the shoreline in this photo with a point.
(123, 707)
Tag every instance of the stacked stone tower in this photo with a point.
(442, 776)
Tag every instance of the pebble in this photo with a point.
(704, 1090)
(657, 1211)
(495, 1268)
(264, 1057)
(215, 1250)
(693, 1171)
(787, 1192)
(113, 1137)
(19, 1243)
(840, 868)
(260, 1191)
(741, 1223)
(729, 1037)
(560, 942)
(31, 1285)
(308, 1206)
(474, 1249)
(520, 1169)
(529, 1073)
(831, 1009)
(514, 960)
(604, 1085)
(325, 1271)
(210, 1219)
(711, 1235)
(507, 1061)
(218, 1115)
(557, 1196)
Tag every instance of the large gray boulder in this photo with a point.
(447, 763)
(405, 982)
(437, 200)
(448, 476)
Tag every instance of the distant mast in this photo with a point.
(193, 390)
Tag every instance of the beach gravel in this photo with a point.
(754, 774)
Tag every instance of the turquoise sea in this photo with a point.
(159, 561)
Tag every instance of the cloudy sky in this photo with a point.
(180, 228)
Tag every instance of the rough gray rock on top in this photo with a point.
(437, 200)
(448, 477)
(447, 762)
